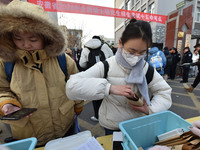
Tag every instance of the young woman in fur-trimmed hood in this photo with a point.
(32, 41)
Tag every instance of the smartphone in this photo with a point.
(18, 114)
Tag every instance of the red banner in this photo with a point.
(70, 7)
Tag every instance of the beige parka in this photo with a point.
(32, 86)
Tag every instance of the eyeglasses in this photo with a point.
(135, 52)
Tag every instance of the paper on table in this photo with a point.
(91, 145)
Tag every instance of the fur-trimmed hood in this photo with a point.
(21, 16)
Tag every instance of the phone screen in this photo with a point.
(18, 114)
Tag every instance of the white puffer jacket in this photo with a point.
(114, 108)
(93, 43)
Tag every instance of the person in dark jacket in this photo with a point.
(175, 59)
(197, 79)
(187, 58)
(168, 63)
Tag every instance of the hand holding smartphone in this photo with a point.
(18, 114)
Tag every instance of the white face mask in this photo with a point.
(131, 59)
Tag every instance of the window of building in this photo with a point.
(133, 2)
(144, 10)
(151, 8)
(128, 5)
(198, 14)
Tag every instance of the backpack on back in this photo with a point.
(156, 61)
(95, 56)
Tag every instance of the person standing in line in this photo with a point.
(114, 48)
(159, 62)
(197, 79)
(125, 91)
(33, 43)
(195, 58)
(176, 57)
(187, 58)
(86, 61)
(168, 64)
(94, 44)
(68, 51)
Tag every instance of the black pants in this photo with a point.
(196, 81)
(96, 106)
(185, 73)
(172, 71)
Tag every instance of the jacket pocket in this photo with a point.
(66, 114)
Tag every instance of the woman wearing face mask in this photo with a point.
(125, 91)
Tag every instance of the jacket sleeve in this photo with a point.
(108, 50)
(190, 57)
(84, 58)
(160, 92)
(178, 57)
(72, 69)
(88, 85)
(164, 59)
(6, 95)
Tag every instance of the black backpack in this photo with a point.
(95, 56)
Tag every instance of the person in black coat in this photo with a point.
(187, 58)
(168, 63)
(197, 79)
(176, 57)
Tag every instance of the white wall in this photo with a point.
(192, 44)
(166, 6)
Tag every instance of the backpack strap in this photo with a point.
(106, 68)
(61, 59)
(149, 74)
(9, 69)
(63, 64)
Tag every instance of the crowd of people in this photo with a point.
(168, 62)
(45, 75)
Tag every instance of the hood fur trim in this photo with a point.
(26, 17)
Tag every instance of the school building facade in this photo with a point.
(183, 26)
